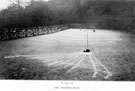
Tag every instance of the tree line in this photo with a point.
(102, 14)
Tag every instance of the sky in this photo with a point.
(5, 3)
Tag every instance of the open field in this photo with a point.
(59, 56)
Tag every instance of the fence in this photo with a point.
(16, 33)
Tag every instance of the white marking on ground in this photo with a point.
(69, 61)
(72, 62)
(126, 49)
(107, 71)
(76, 65)
(94, 66)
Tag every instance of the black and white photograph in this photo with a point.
(67, 40)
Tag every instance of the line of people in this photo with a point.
(9, 34)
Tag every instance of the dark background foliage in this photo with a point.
(108, 14)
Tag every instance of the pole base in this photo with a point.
(87, 50)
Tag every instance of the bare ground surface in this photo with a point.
(59, 56)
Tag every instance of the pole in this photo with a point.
(87, 40)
